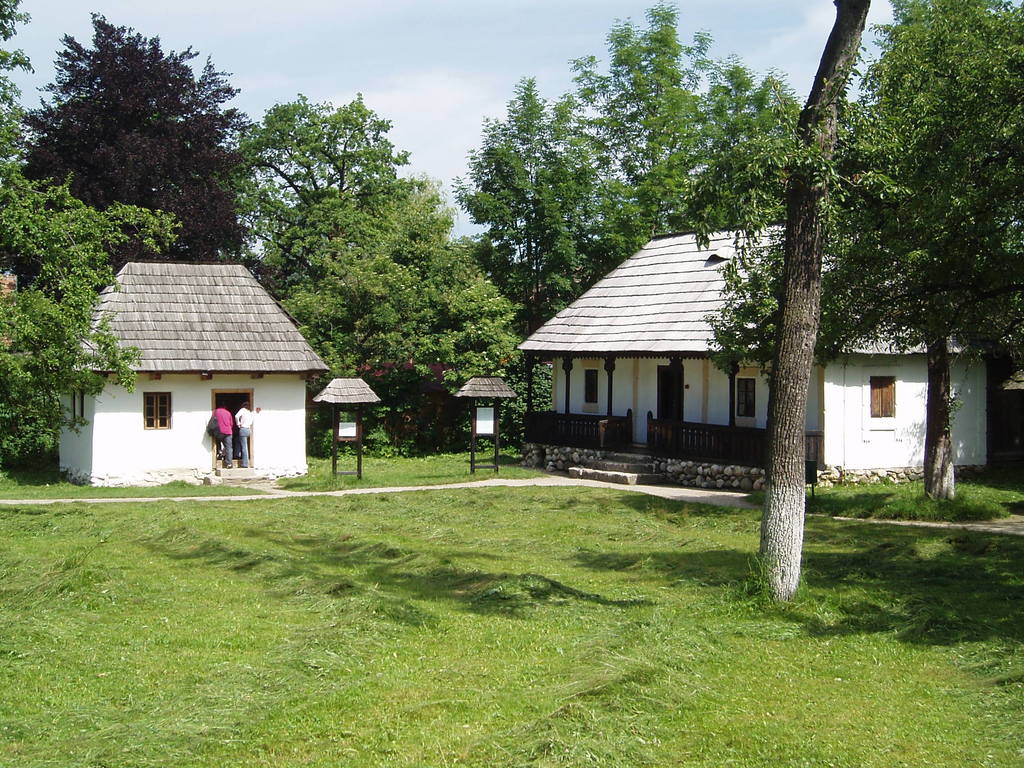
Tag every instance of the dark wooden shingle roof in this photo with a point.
(656, 301)
(347, 392)
(487, 387)
(204, 317)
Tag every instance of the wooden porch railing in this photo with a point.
(579, 430)
(719, 443)
(675, 439)
(617, 431)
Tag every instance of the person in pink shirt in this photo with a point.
(226, 424)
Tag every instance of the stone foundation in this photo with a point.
(704, 474)
(839, 476)
(696, 474)
(164, 476)
(141, 479)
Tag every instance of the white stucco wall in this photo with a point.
(76, 445)
(718, 396)
(124, 453)
(855, 440)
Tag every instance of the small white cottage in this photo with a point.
(208, 336)
(631, 372)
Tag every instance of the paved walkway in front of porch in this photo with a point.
(269, 491)
(1011, 526)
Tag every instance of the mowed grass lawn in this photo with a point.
(439, 469)
(436, 469)
(51, 484)
(996, 493)
(497, 627)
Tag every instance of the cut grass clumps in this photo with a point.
(991, 496)
(906, 502)
(488, 627)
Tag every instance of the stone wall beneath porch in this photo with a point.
(706, 474)
(696, 474)
(839, 476)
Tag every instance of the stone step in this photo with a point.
(236, 474)
(627, 458)
(621, 478)
(643, 467)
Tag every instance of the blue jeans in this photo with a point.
(225, 446)
(243, 439)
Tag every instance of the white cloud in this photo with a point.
(436, 115)
(796, 49)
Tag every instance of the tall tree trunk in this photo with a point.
(782, 524)
(938, 444)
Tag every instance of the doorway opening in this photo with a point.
(670, 393)
(232, 399)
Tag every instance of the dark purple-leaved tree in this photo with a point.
(128, 123)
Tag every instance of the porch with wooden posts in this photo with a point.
(671, 437)
(666, 438)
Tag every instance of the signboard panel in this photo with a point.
(484, 421)
(347, 430)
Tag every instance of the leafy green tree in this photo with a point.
(659, 119)
(364, 261)
(644, 122)
(799, 303)
(403, 312)
(934, 246)
(319, 176)
(748, 138)
(127, 123)
(532, 184)
(49, 344)
(10, 17)
(570, 189)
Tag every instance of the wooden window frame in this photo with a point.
(151, 408)
(742, 401)
(882, 391)
(590, 386)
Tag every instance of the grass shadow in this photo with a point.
(670, 510)
(928, 587)
(709, 568)
(394, 578)
(850, 505)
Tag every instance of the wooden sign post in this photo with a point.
(485, 424)
(348, 432)
(351, 394)
(486, 418)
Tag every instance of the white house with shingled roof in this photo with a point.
(631, 371)
(207, 335)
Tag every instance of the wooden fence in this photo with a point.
(720, 443)
(580, 430)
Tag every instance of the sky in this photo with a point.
(435, 68)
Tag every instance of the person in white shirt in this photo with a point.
(244, 418)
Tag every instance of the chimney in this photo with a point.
(8, 284)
